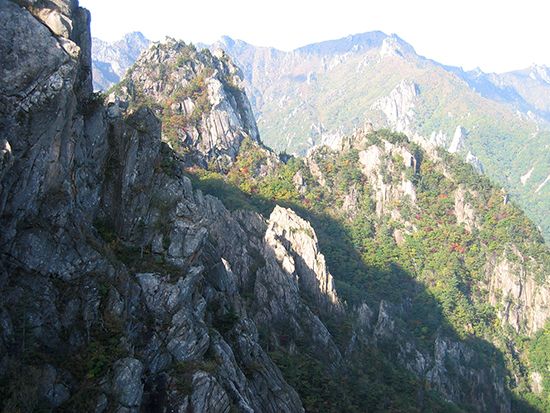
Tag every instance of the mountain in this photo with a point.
(197, 95)
(156, 256)
(112, 59)
(533, 84)
(527, 89)
(440, 274)
(318, 93)
(409, 238)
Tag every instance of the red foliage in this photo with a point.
(456, 247)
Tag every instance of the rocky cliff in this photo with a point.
(199, 97)
(122, 288)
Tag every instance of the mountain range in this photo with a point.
(111, 60)
(157, 255)
(318, 93)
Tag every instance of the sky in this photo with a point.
(496, 36)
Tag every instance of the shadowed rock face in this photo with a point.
(77, 178)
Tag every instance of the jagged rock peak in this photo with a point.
(388, 44)
(287, 232)
(457, 144)
(398, 107)
(395, 46)
(540, 72)
(198, 96)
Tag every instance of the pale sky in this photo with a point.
(494, 35)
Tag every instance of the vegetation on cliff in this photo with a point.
(417, 251)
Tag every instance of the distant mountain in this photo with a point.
(111, 60)
(533, 85)
(318, 93)
(527, 89)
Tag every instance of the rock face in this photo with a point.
(136, 282)
(374, 161)
(112, 60)
(198, 96)
(523, 303)
(449, 355)
(464, 212)
(127, 385)
(287, 232)
(450, 359)
(398, 106)
(449, 365)
(393, 46)
(457, 144)
(88, 198)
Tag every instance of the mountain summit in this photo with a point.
(318, 93)
(111, 60)
(198, 96)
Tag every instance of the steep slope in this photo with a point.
(122, 288)
(318, 93)
(443, 276)
(111, 60)
(198, 96)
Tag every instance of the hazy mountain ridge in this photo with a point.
(112, 59)
(526, 89)
(312, 96)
